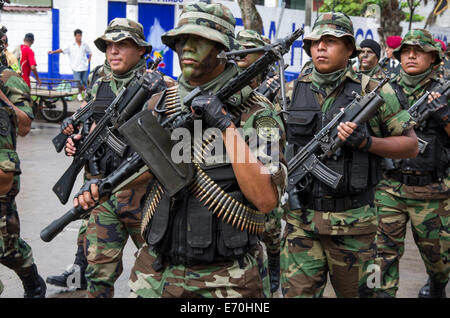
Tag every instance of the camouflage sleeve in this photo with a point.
(9, 160)
(17, 91)
(391, 119)
(264, 133)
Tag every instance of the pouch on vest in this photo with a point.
(103, 99)
(232, 242)
(302, 125)
(159, 223)
(199, 233)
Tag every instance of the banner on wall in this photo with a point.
(158, 16)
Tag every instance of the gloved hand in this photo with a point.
(72, 143)
(269, 88)
(67, 127)
(210, 107)
(441, 115)
(358, 136)
(154, 81)
(88, 195)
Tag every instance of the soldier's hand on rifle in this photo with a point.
(71, 148)
(88, 195)
(67, 126)
(354, 136)
(269, 88)
(156, 82)
(211, 109)
(441, 115)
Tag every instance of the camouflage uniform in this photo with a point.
(111, 223)
(15, 253)
(330, 240)
(376, 73)
(153, 274)
(426, 205)
(271, 236)
(80, 255)
(17, 91)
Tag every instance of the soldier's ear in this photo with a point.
(433, 57)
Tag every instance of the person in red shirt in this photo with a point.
(27, 60)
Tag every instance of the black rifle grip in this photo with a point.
(59, 141)
(64, 186)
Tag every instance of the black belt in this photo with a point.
(418, 180)
(341, 204)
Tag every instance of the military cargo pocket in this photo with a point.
(199, 235)
(301, 125)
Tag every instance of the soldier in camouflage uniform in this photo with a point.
(417, 189)
(15, 253)
(68, 129)
(197, 253)
(369, 55)
(113, 221)
(332, 231)
(15, 119)
(272, 232)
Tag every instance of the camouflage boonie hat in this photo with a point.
(331, 23)
(213, 21)
(120, 29)
(250, 38)
(421, 38)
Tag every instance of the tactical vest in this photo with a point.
(103, 99)
(105, 158)
(430, 166)
(185, 230)
(360, 171)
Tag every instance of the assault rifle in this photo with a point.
(127, 103)
(273, 52)
(421, 110)
(307, 161)
(80, 116)
(131, 168)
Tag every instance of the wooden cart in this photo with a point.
(49, 98)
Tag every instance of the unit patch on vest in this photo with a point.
(267, 128)
(5, 123)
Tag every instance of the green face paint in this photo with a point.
(197, 56)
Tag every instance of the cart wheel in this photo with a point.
(53, 109)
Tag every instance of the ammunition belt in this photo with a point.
(206, 190)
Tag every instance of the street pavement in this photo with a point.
(38, 206)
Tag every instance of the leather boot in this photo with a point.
(61, 280)
(274, 271)
(33, 284)
(433, 289)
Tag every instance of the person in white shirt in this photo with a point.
(80, 56)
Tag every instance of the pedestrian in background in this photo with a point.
(27, 60)
(389, 63)
(80, 56)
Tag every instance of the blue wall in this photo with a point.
(147, 13)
